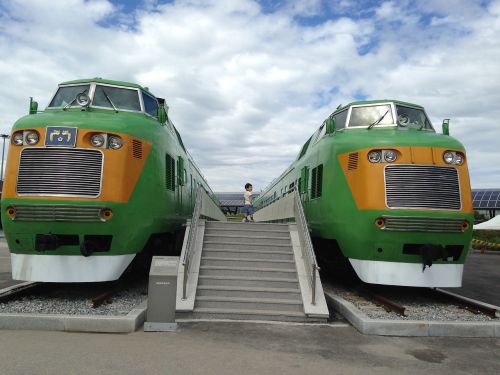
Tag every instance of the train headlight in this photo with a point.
(115, 142)
(448, 157)
(17, 139)
(390, 156)
(106, 214)
(374, 156)
(459, 158)
(82, 99)
(97, 140)
(11, 212)
(31, 137)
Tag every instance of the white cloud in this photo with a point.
(246, 88)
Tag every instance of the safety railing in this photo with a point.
(287, 208)
(204, 207)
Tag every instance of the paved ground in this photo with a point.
(243, 348)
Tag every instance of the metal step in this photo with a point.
(246, 246)
(230, 225)
(227, 238)
(248, 303)
(249, 292)
(248, 262)
(245, 314)
(234, 253)
(249, 232)
(247, 271)
(270, 282)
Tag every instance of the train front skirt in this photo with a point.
(408, 274)
(67, 268)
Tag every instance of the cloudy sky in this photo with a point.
(248, 81)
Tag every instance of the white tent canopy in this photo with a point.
(493, 224)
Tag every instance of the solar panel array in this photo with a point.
(486, 199)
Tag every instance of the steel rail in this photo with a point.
(469, 304)
(386, 303)
(18, 290)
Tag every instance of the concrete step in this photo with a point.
(244, 246)
(260, 226)
(270, 282)
(227, 253)
(249, 303)
(244, 314)
(229, 238)
(248, 292)
(247, 272)
(248, 262)
(250, 231)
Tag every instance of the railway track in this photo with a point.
(19, 290)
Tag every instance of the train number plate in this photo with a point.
(60, 136)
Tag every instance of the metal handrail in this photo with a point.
(186, 260)
(307, 247)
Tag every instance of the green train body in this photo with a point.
(98, 177)
(381, 188)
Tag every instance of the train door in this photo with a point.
(180, 182)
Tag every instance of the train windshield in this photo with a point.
(412, 118)
(66, 96)
(371, 115)
(116, 98)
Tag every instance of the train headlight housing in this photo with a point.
(31, 137)
(390, 156)
(11, 212)
(374, 156)
(448, 157)
(17, 139)
(459, 158)
(454, 157)
(115, 142)
(97, 140)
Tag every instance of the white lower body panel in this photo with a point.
(68, 268)
(408, 274)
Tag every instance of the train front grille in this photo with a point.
(422, 186)
(49, 212)
(422, 224)
(60, 172)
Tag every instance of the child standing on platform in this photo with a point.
(248, 206)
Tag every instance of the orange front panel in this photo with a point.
(121, 168)
(367, 183)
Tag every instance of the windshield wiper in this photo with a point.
(69, 104)
(378, 121)
(109, 100)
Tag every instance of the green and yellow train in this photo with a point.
(382, 189)
(98, 177)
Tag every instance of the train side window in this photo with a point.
(340, 119)
(150, 104)
(304, 148)
(321, 133)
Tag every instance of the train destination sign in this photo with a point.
(60, 136)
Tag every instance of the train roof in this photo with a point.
(376, 101)
(105, 81)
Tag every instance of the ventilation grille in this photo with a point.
(352, 164)
(419, 186)
(72, 213)
(137, 149)
(422, 224)
(60, 172)
(169, 173)
(317, 181)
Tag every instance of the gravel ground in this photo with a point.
(74, 299)
(419, 304)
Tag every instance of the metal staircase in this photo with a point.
(247, 271)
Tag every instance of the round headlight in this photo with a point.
(82, 99)
(459, 158)
(374, 156)
(448, 157)
(390, 156)
(17, 139)
(32, 138)
(97, 140)
(115, 142)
